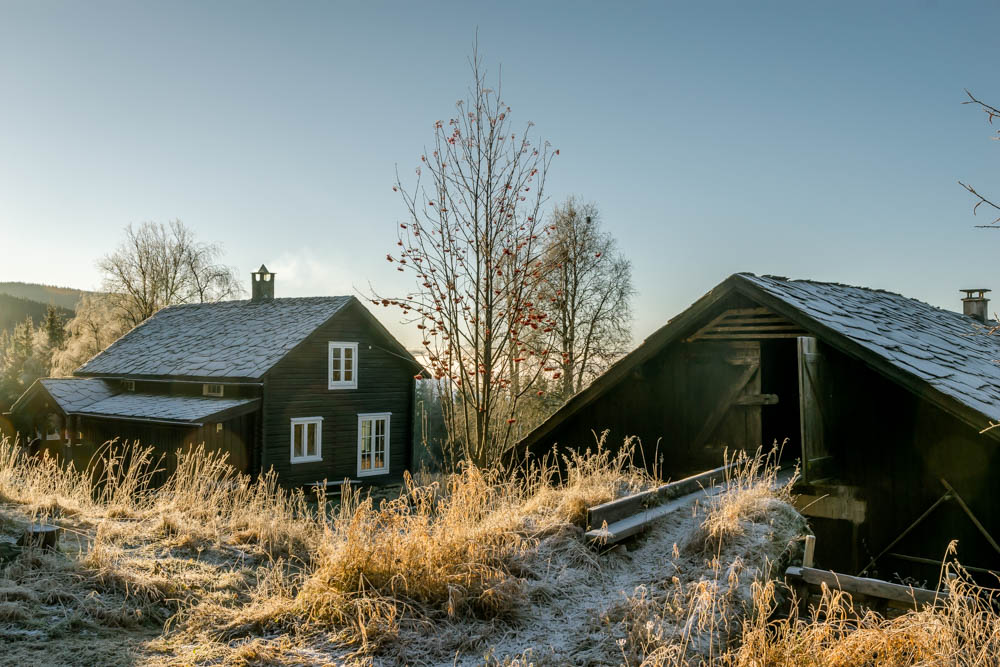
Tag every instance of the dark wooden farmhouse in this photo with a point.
(314, 388)
(883, 399)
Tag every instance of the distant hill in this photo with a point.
(43, 294)
(14, 309)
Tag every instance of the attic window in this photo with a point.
(128, 385)
(212, 390)
(343, 366)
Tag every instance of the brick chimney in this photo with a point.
(261, 285)
(975, 304)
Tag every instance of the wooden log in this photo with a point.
(40, 536)
(864, 586)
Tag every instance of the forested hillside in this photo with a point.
(65, 297)
(14, 309)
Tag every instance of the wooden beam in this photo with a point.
(758, 399)
(750, 336)
(831, 507)
(906, 532)
(715, 320)
(809, 551)
(732, 312)
(740, 328)
(958, 499)
(764, 319)
(864, 586)
(937, 563)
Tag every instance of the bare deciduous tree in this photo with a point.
(991, 113)
(590, 291)
(160, 265)
(474, 243)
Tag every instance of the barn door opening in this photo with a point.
(813, 398)
(725, 399)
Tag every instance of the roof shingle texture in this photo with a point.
(952, 352)
(167, 408)
(230, 339)
(73, 394)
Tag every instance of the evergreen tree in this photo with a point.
(19, 366)
(55, 328)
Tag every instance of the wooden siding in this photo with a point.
(235, 439)
(297, 387)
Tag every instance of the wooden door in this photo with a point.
(725, 384)
(813, 398)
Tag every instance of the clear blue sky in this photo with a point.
(800, 139)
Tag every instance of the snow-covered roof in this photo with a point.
(185, 409)
(230, 339)
(950, 351)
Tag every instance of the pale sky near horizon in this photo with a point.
(809, 140)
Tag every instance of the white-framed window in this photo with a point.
(307, 439)
(373, 443)
(128, 385)
(212, 390)
(343, 366)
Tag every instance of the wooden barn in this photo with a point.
(314, 388)
(882, 398)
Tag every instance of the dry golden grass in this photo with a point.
(216, 568)
(451, 549)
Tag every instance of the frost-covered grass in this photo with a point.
(478, 567)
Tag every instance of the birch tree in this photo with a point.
(589, 291)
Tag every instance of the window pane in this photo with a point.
(348, 353)
(336, 374)
(335, 354)
(297, 443)
(379, 427)
(311, 447)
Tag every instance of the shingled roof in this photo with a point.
(229, 339)
(949, 358)
(70, 394)
(951, 352)
(183, 409)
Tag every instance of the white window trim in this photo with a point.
(388, 421)
(206, 391)
(319, 439)
(342, 384)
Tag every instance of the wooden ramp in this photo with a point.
(614, 521)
